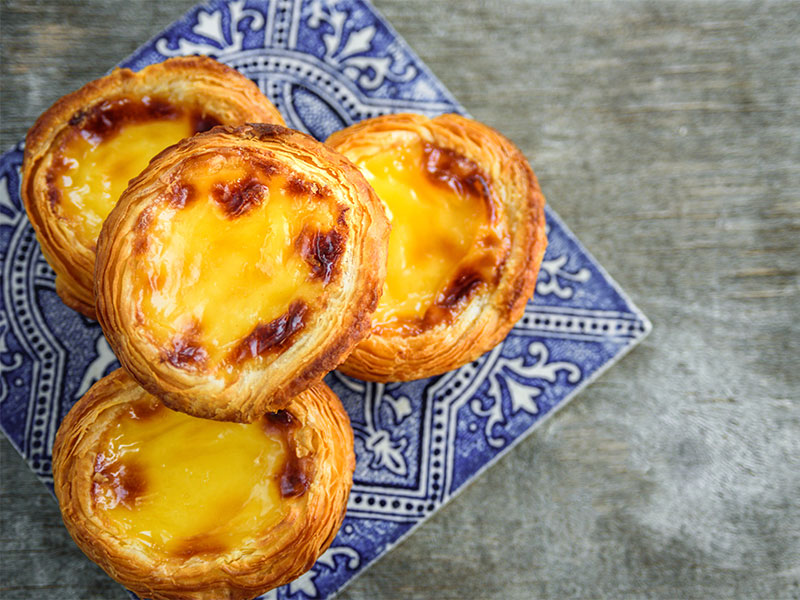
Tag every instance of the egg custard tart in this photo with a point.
(81, 153)
(468, 236)
(173, 506)
(239, 268)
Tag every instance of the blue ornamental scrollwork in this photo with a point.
(9, 215)
(217, 37)
(522, 385)
(306, 586)
(9, 361)
(104, 358)
(553, 273)
(386, 447)
(347, 50)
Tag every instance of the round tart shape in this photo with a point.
(468, 236)
(173, 506)
(239, 268)
(81, 153)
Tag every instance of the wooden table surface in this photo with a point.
(667, 135)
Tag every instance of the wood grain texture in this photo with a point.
(667, 136)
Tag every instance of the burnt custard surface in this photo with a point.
(83, 151)
(467, 239)
(239, 268)
(174, 506)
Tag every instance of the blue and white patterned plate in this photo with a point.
(325, 65)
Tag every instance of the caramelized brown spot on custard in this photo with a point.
(199, 544)
(140, 228)
(297, 186)
(179, 194)
(297, 473)
(116, 482)
(201, 123)
(282, 419)
(77, 118)
(106, 118)
(187, 351)
(265, 131)
(447, 168)
(145, 410)
(53, 193)
(268, 168)
(450, 301)
(144, 219)
(321, 250)
(274, 335)
(237, 198)
(459, 289)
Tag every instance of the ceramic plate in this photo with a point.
(326, 65)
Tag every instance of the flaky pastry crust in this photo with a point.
(215, 93)
(271, 557)
(276, 358)
(488, 309)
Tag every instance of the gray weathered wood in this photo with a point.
(666, 134)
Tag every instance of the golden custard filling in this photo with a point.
(234, 261)
(184, 486)
(443, 226)
(104, 148)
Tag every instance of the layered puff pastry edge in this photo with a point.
(81, 152)
(239, 268)
(175, 507)
(468, 237)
